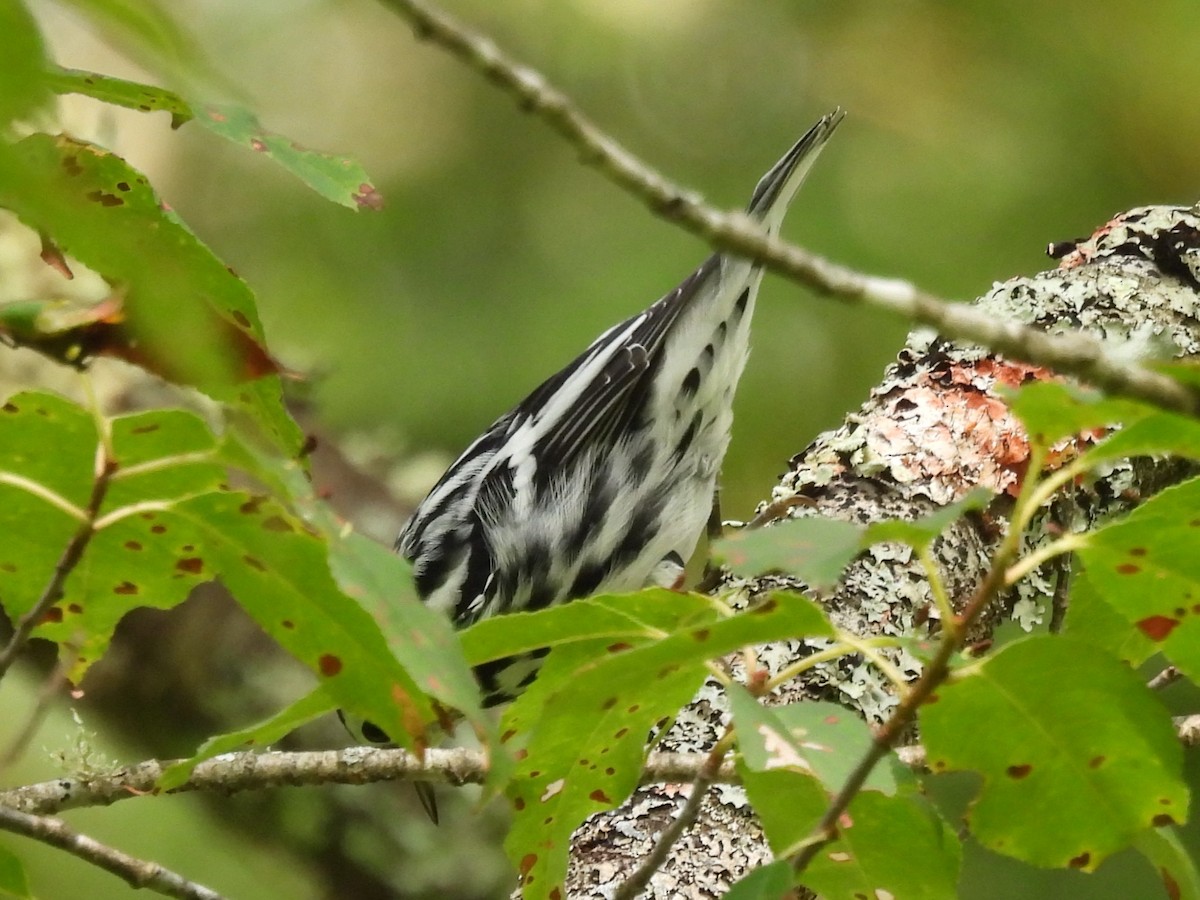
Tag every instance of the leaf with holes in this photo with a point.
(587, 756)
(1146, 568)
(259, 736)
(888, 847)
(176, 309)
(815, 550)
(1077, 755)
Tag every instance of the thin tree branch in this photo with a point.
(138, 873)
(71, 555)
(632, 886)
(1075, 354)
(234, 772)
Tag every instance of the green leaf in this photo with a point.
(421, 638)
(261, 735)
(587, 755)
(816, 550)
(888, 847)
(13, 880)
(816, 738)
(1053, 410)
(1077, 755)
(181, 313)
(921, 533)
(120, 92)
(1146, 567)
(1155, 433)
(22, 63)
(337, 178)
(643, 616)
(770, 882)
(1172, 860)
(1092, 619)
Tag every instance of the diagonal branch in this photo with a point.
(137, 873)
(1075, 354)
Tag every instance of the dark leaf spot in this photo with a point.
(634, 708)
(133, 545)
(621, 732)
(508, 735)
(288, 624)
(254, 563)
(518, 803)
(528, 861)
(123, 186)
(8, 567)
(277, 523)
(1157, 628)
(609, 703)
(158, 529)
(240, 318)
(1162, 820)
(149, 516)
(599, 796)
(1128, 569)
(1096, 762)
(145, 429)
(53, 614)
(104, 199)
(11, 408)
(701, 634)
(193, 565)
(618, 647)
(556, 894)
(665, 672)
(1137, 551)
(536, 773)
(74, 608)
(329, 665)
(1019, 771)
(250, 507)
(767, 606)
(1180, 612)
(367, 196)
(125, 587)
(1174, 892)
(1080, 861)
(257, 145)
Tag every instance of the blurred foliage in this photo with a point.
(978, 133)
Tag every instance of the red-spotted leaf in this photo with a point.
(896, 847)
(1146, 568)
(1090, 618)
(120, 92)
(1077, 756)
(586, 756)
(337, 178)
(257, 736)
(1173, 860)
(816, 550)
(179, 311)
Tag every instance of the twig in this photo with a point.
(953, 633)
(1075, 354)
(709, 770)
(71, 555)
(138, 873)
(1165, 678)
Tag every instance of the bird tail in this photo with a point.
(777, 188)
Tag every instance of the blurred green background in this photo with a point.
(977, 133)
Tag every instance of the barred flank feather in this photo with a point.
(603, 477)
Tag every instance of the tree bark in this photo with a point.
(935, 427)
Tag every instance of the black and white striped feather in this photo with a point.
(603, 477)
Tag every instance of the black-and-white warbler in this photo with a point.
(602, 478)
